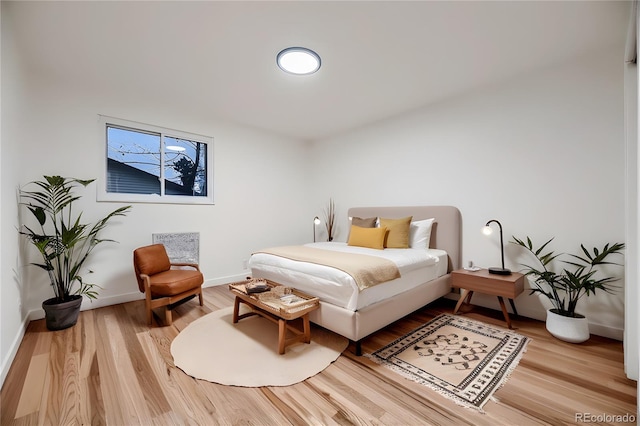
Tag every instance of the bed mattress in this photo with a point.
(416, 266)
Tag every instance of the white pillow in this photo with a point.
(420, 233)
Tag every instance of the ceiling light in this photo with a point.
(175, 148)
(298, 60)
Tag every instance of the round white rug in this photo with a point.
(212, 348)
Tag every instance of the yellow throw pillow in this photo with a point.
(367, 237)
(398, 235)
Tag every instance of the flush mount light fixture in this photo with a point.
(298, 60)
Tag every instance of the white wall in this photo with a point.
(260, 190)
(543, 154)
(632, 181)
(632, 268)
(260, 182)
(13, 320)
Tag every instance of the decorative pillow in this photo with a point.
(367, 237)
(369, 222)
(420, 233)
(398, 232)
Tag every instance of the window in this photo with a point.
(151, 164)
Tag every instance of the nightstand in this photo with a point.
(509, 286)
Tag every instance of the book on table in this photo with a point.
(289, 299)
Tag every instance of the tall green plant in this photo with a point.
(63, 241)
(564, 289)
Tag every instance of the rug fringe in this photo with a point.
(511, 368)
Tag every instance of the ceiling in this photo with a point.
(379, 59)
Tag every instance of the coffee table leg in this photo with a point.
(282, 331)
(307, 328)
(236, 309)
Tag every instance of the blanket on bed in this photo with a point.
(366, 270)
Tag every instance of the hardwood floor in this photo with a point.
(112, 369)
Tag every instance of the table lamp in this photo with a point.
(487, 230)
(316, 222)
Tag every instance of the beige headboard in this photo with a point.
(446, 233)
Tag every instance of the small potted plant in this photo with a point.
(565, 288)
(64, 243)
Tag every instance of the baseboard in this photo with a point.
(100, 302)
(538, 313)
(226, 280)
(6, 363)
(606, 331)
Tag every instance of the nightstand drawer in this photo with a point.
(509, 286)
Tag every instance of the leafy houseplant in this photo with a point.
(565, 288)
(63, 241)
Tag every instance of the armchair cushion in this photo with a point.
(175, 281)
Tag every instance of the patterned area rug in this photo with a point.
(462, 359)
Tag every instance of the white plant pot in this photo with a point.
(569, 329)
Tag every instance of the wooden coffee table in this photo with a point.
(269, 305)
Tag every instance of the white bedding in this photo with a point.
(416, 267)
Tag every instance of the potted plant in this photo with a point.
(565, 288)
(64, 243)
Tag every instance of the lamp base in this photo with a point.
(499, 271)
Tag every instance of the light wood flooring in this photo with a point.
(112, 369)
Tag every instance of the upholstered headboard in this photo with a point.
(446, 232)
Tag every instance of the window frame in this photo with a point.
(102, 194)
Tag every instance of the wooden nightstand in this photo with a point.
(509, 286)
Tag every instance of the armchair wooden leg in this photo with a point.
(168, 303)
(149, 312)
(168, 318)
(147, 301)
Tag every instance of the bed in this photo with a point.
(355, 309)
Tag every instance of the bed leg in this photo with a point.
(358, 348)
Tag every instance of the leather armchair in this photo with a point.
(163, 285)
